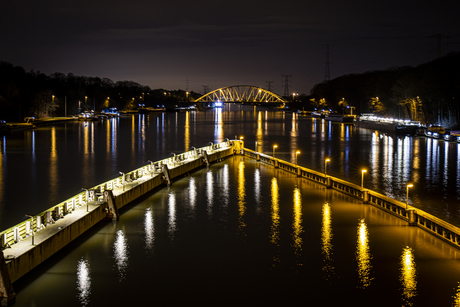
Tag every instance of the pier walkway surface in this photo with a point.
(30, 123)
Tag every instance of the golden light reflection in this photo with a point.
(408, 276)
(241, 196)
(149, 229)
(275, 213)
(363, 256)
(121, 254)
(297, 222)
(54, 178)
(187, 132)
(107, 137)
(326, 240)
(83, 282)
(456, 297)
(260, 130)
(133, 134)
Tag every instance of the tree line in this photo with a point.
(429, 93)
(33, 93)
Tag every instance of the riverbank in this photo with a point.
(33, 123)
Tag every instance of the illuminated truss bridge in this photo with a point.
(241, 93)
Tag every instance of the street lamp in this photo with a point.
(274, 146)
(256, 146)
(362, 178)
(410, 185)
(296, 153)
(325, 165)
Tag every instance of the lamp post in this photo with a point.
(256, 146)
(410, 185)
(362, 178)
(274, 146)
(296, 154)
(325, 165)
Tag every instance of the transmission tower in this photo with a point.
(327, 72)
(439, 38)
(269, 85)
(286, 84)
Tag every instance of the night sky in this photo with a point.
(187, 44)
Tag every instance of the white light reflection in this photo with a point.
(226, 185)
(83, 282)
(149, 229)
(218, 128)
(120, 253)
(363, 255)
(172, 227)
(257, 187)
(408, 276)
(192, 192)
(210, 191)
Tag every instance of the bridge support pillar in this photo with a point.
(7, 295)
(276, 163)
(412, 216)
(366, 196)
(112, 210)
(299, 173)
(328, 183)
(258, 157)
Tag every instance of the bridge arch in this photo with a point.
(241, 93)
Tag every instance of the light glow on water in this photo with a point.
(363, 256)
(210, 191)
(275, 213)
(83, 282)
(172, 227)
(121, 254)
(241, 196)
(297, 222)
(408, 277)
(149, 229)
(326, 240)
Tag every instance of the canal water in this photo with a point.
(238, 232)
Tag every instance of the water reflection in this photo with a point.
(219, 130)
(2, 171)
(209, 191)
(192, 192)
(226, 186)
(326, 240)
(54, 178)
(83, 282)
(187, 132)
(120, 254)
(149, 229)
(456, 297)
(363, 255)
(408, 276)
(172, 227)
(257, 187)
(275, 213)
(297, 222)
(241, 196)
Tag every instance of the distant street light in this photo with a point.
(325, 165)
(296, 154)
(274, 146)
(362, 178)
(410, 185)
